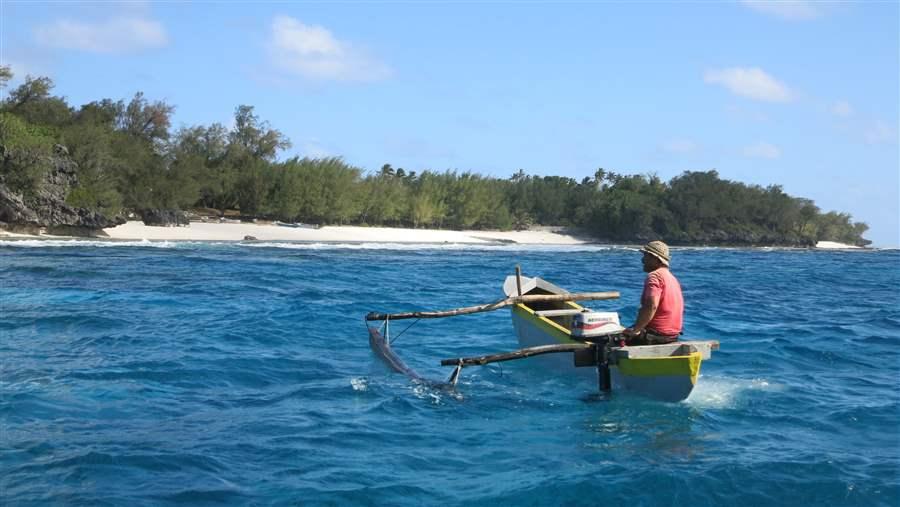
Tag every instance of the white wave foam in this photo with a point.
(359, 383)
(424, 392)
(82, 243)
(725, 392)
(325, 245)
(296, 245)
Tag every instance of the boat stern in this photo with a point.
(664, 372)
(664, 378)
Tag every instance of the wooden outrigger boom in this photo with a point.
(496, 305)
(517, 354)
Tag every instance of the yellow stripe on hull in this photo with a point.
(684, 366)
(553, 330)
(669, 378)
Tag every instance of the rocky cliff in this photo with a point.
(44, 209)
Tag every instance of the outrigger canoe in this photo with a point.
(666, 372)
(548, 321)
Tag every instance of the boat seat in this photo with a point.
(558, 313)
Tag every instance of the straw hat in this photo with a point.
(659, 250)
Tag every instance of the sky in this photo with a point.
(805, 95)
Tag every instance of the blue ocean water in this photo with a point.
(210, 373)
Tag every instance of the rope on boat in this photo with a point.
(386, 332)
(401, 332)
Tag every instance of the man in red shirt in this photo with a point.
(662, 306)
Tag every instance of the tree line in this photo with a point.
(129, 157)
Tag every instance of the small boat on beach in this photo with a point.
(296, 225)
(548, 322)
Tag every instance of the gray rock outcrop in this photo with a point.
(164, 217)
(46, 209)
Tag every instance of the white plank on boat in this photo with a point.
(558, 313)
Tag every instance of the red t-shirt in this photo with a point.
(662, 284)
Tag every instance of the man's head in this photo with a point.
(656, 255)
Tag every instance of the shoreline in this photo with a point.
(201, 231)
(238, 232)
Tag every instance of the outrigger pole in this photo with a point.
(516, 354)
(496, 305)
(591, 353)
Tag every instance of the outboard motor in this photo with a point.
(588, 324)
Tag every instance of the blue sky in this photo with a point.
(801, 94)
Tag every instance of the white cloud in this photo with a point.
(312, 52)
(751, 82)
(314, 149)
(880, 133)
(116, 35)
(762, 150)
(679, 146)
(842, 108)
(786, 9)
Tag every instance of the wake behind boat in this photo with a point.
(548, 322)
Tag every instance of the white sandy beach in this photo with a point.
(834, 245)
(199, 231)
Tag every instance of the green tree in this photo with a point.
(89, 145)
(428, 201)
(32, 102)
(146, 120)
(200, 154)
(469, 201)
(6, 75)
(24, 153)
(383, 199)
(254, 137)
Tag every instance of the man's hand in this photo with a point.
(632, 332)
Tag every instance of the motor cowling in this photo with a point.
(589, 324)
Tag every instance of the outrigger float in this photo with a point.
(547, 320)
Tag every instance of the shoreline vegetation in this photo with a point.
(78, 171)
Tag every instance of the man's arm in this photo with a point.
(645, 315)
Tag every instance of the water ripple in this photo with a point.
(202, 372)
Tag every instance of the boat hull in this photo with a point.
(663, 372)
(670, 378)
